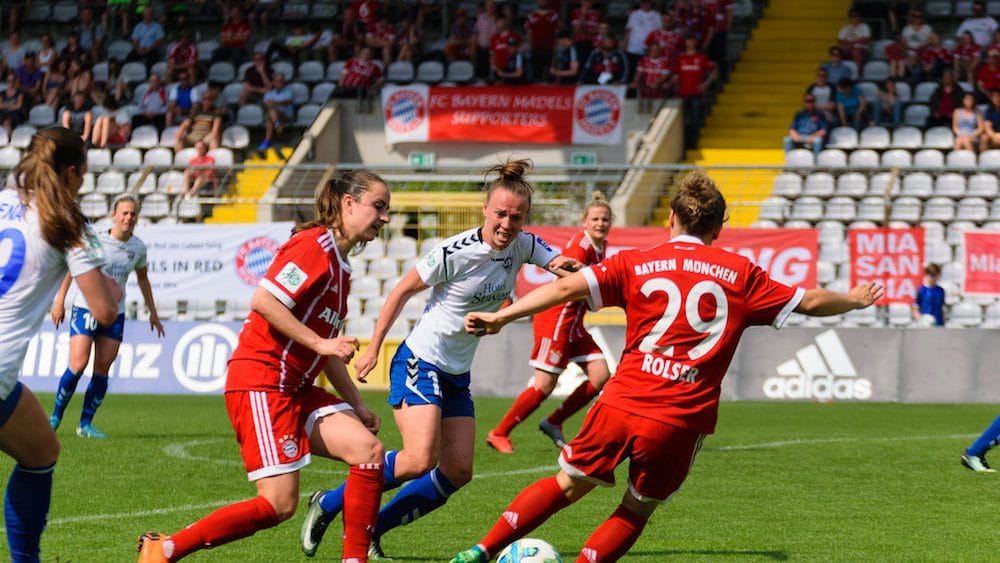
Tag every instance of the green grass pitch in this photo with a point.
(778, 481)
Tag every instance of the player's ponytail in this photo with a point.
(352, 183)
(40, 185)
(597, 199)
(698, 205)
(511, 178)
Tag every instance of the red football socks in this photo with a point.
(612, 540)
(226, 524)
(525, 404)
(577, 400)
(527, 511)
(362, 496)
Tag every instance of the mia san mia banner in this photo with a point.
(504, 114)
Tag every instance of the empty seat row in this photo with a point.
(868, 158)
(856, 184)
(905, 209)
(877, 137)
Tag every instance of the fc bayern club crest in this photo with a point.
(405, 110)
(254, 257)
(598, 112)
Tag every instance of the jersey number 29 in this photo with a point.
(712, 328)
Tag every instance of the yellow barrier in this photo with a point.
(378, 379)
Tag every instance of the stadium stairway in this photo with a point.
(251, 184)
(751, 115)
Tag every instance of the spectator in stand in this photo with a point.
(504, 46)
(967, 124)
(988, 75)
(981, 25)
(409, 38)
(835, 68)
(265, 12)
(256, 80)
(896, 53)
(79, 78)
(348, 41)
(485, 29)
(966, 57)
(512, 71)
(116, 86)
(152, 107)
(932, 59)
(295, 47)
(54, 84)
(896, 12)
(565, 67)
(916, 33)
(367, 12)
(13, 53)
(30, 77)
(808, 129)
(111, 129)
(204, 123)
(852, 107)
(653, 78)
(991, 124)
(47, 53)
(695, 73)
(541, 27)
(183, 57)
(234, 39)
(855, 38)
(671, 42)
(92, 34)
(945, 100)
(78, 116)
(888, 107)
(584, 21)
(12, 111)
(723, 24)
(381, 37)
(641, 22)
(74, 51)
(147, 37)
(280, 109)
(461, 41)
(181, 98)
(198, 177)
(606, 65)
(824, 93)
(361, 77)
(928, 305)
(995, 45)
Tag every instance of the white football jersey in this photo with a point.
(121, 259)
(465, 275)
(30, 273)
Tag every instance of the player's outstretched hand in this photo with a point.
(867, 294)
(343, 347)
(365, 364)
(481, 324)
(565, 263)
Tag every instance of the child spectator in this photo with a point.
(991, 124)
(204, 123)
(854, 39)
(808, 128)
(278, 104)
(565, 67)
(153, 105)
(653, 78)
(966, 57)
(945, 100)
(181, 98)
(12, 111)
(78, 116)
(967, 124)
(928, 304)
(541, 27)
(196, 178)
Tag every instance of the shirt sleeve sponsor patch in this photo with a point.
(291, 277)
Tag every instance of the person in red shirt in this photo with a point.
(671, 42)
(932, 58)
(234, 37)
(195, 178)
(561, 339)
(695, 73)
(686, 305)
(653, 78)
(966, 57)
(541, 26)
(584, 21)
(183, 57)
(367, 11)
(360, 76)
(504, 46)
(381, 37)
(988, 75)
(279, 415)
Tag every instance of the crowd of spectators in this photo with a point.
(960, 71)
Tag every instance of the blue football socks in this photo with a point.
(67, 386)
(333, 501)
(26, 509)
(990, 438)
(92, 400)
(418, 498)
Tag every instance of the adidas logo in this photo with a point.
(821, 370)
(511, 518)
(589, 554)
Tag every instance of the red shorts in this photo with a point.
(555, 348)
(273, 428)
(660, 455)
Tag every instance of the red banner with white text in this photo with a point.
(503, 114)
(892, 257)
(982, 263)
(788, 255)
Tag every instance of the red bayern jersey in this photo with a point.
(561, 319)
(928, 54)
(503, 45)
(541, 26)
(359, 73)
(691, 70)
(308, 276)
(585, 24)
(653, 70)
(686, 306)
(670, 41)
(965, 52)
(990, 77)
(183, 54)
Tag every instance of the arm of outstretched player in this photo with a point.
(142, 276)
(336, 372)
(822, 302)
(410, 285)
(281, 319)
(59, 304)
(570, 288)
(563, 266)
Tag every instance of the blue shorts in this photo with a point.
(81, 322)
(416, 382)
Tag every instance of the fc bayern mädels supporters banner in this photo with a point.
(207, 262)
(892, 257)
(585, 115)
(788, 255)
(982, 263)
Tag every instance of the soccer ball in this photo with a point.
(529, 550)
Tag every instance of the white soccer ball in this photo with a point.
(928, 321)
(529, 550)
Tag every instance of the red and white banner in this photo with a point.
(788, 255)
(982, 263)
(504, 114)
(892, 257)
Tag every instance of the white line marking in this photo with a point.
(812, 441)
